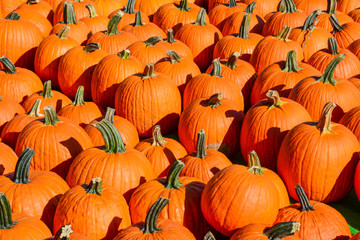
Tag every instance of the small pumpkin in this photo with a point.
(40, 6)
(95, 22)
(345, 34)
(8, 110)
(219, 14)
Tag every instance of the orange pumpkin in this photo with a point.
(355, 14)
(346, 6)
(8, 159)
(106, 7)
(79, 6)
(309, 6)
(66, 233)
(351, 121)
(150, 7)
(170, 43)
(40, 6)
(264, 6)
(345, 34)
(95, 22)
(8, 110)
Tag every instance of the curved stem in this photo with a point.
(112, 138)
(291, 63)
(244, 27)
(324, 123)
(335, 23)
(174, 57)
(124, 54)
(138, 19)
(287, 6)
(63, 233)
(304, 201)
(69, 13)
(284, 33)
(332, 7)
(254, 163)
(231, 63)
(31, 2)
(92, 11)
(172, 179)
(112, 27)
(79, 97)
(209, 236)
(149, 71)
(153, 215)
(158, 139)
(184, 5)
(152, 41)
(91, 47)
(51, 117)
(250, 8)
(109, 115)
(200, 20)
(46, 93)
(94, 186)
(9, 67)
(282, 230)
(328, 75)
(216, 71)
(35, 110)
(130, 7)
(200, 145)
(232, 3)
(333, 46)
(170, 36)
(23, 166)
(6, 221)
(64, 31)
(215, 100)
(274, 98)
(13, 16)
(311, 20)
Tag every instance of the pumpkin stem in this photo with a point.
(130, 7)
(31, 2)
(112, 138)
(328, 75)
(311, 20)
(9, 67)
(254, 163)
(215, 100)
(35, 110)
(63, 32)
(109, 115)
(200, 145)
(79, 97)
(274, 98)
(6, 221)
(304, 201)
(170, 36)
(63, 233)
(124, 54)
(152, 41)
(287, 6)
(172, 179)
(112, 27)
(138, 19)
(291, 63)
(46, 93)
(153, 215)
(51, 117)
(13, 16)
(324, 123)
(94, 186)
(149, 71)
(244, 27)
(232, 3)
(92, 11)
(250, 8)
(335, 23)
(209, 236)
(200, 20)
(282, 230)
(23, 166)
(69, 13)
(332, 7)
(184, 5)
(174, 57)
(284, 33)
(216, 71)
(91, 47)
(231, 63)
(333, 46)
(158, 139)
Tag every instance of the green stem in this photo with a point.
(6, 221)
(112, 27)
(130, 7)
(124, 54)
(153, 215)
(274, 98)
(23, 166)
(13, 16)
(92, 11)
(69, 13)
(287, 6)
(328, 75)
(335, 23)
(112, 137)
(250, 8)
(158, 139)
(200, 145)
(46, 93)
(311, 20)
(149, 71)
(91, 47)
(174, 57)
(109, 115)
(209, 236)
(172, 179)
(231, 63)
(201, 17)
(324, 124)
(304, 201)
(333, 46)
(51, 117)
(138, 19)
(284, 33)
(152, 41)
(64, 31)
(332, 7)
(35, 110)
(94, 186)
(63, 233)
(254, 163)
(31, 2)
(9, 67)
(170, 36)
(215, 100)
(244, 27)
(79, 97)
(216, 71)
(282, 230)
(291, 63)
(184, 5)
(232, 3)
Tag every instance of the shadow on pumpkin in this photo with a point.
(127, 194)
(168, 124)
(113, 228)
(49, 211)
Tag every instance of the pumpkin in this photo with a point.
(95, 22)
(241, 72)
(81, 112)
(48, 54)
(273, 49)
(106, 7)
(214, 3)
(207, 84)
(109, 73)
(283, 230)
(355, 14)
(356, 185)
(33, 192)
(264, 6)
(356, 237)
(180, 70)
(351, 120)
(281, 76)
(183, 208)
(355, 48)
(20, 50)
(150, 7)
(155, 228)
(161, 152)
(317, 220)
(346, 6)
(79, 31)
(122, 168)
(79, 6)
(40, 6)
(263, 190)
(126, 129)
(8, 110)
(191, 33)
(8, 159)
(48, 97)
(310, 37)
(7, 6)
(243, 42)
(219, 14)
(12, 129)
(314, 92)
(224, 119)
(322, 143)
(356, 81)
(66, 233)
(15, 226)
(345, 34)
(170, 43)
(309, 6)
(159, 104)
(71, 74)
(94, 209)
(17, 83)
(204, 163)
(56, 142)
(112, 40)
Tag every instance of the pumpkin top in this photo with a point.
(91, 47)
(158, 139)
(331, 7)
(153, 215)
(254, 163)
(328, 75)
(284, 33)
(173, 56)
(69, 13)
(112, 27)
(79, 97)
(291, 64)
(35, 110)
(172, 179)
(170, 36)
(9, 67)
(13, 16)
(304, 201)
(232, 3)
(335, 23)
(209, 236)
(112, 138)
(250, 8)
(184, 5)
(200, 20)
(23, 165)
(63, 233)
(333, 46)
(231, 63)
(138, 19)
(64, 31)
(6, 221)
(311, 20)
(94, 186)
(281, 230)
(274, 99)
(109, 114)
(129, 9)
(215, 100)
(324, 123)
(216, 71)
(287, 6)
(51, 117)
(46, 92)
(152, 41)
(149, 71)
(244, 27)
(92, 11)
(200, 145)
(31, 2)
(124, 54)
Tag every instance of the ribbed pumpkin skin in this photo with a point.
(57, 101)
(221, 12)
(41, 22)
(356, 237)
(123, 171)
(47, 57)
(80, 10)
(263, 7)
(96, 24)
(223, 125)
(346, 6)
(308, 6)
(82, 114)
(355, 48)
(265, 126)
(129, 18)
(356, 81)
(356, 185)
(336, 154)
(8, 159)
(266, 192)
(151, 6)
(324, 20)
(279, 20)
(107, 76)
(106, 7)
(7, 6)
(8, 110)
(233, 22)
(80, 32)
(147, 53)
(351, 120)
(348, 35)
(98, 216)
(42, 7)
(55, 146)
(18, 42)
(145, 31)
